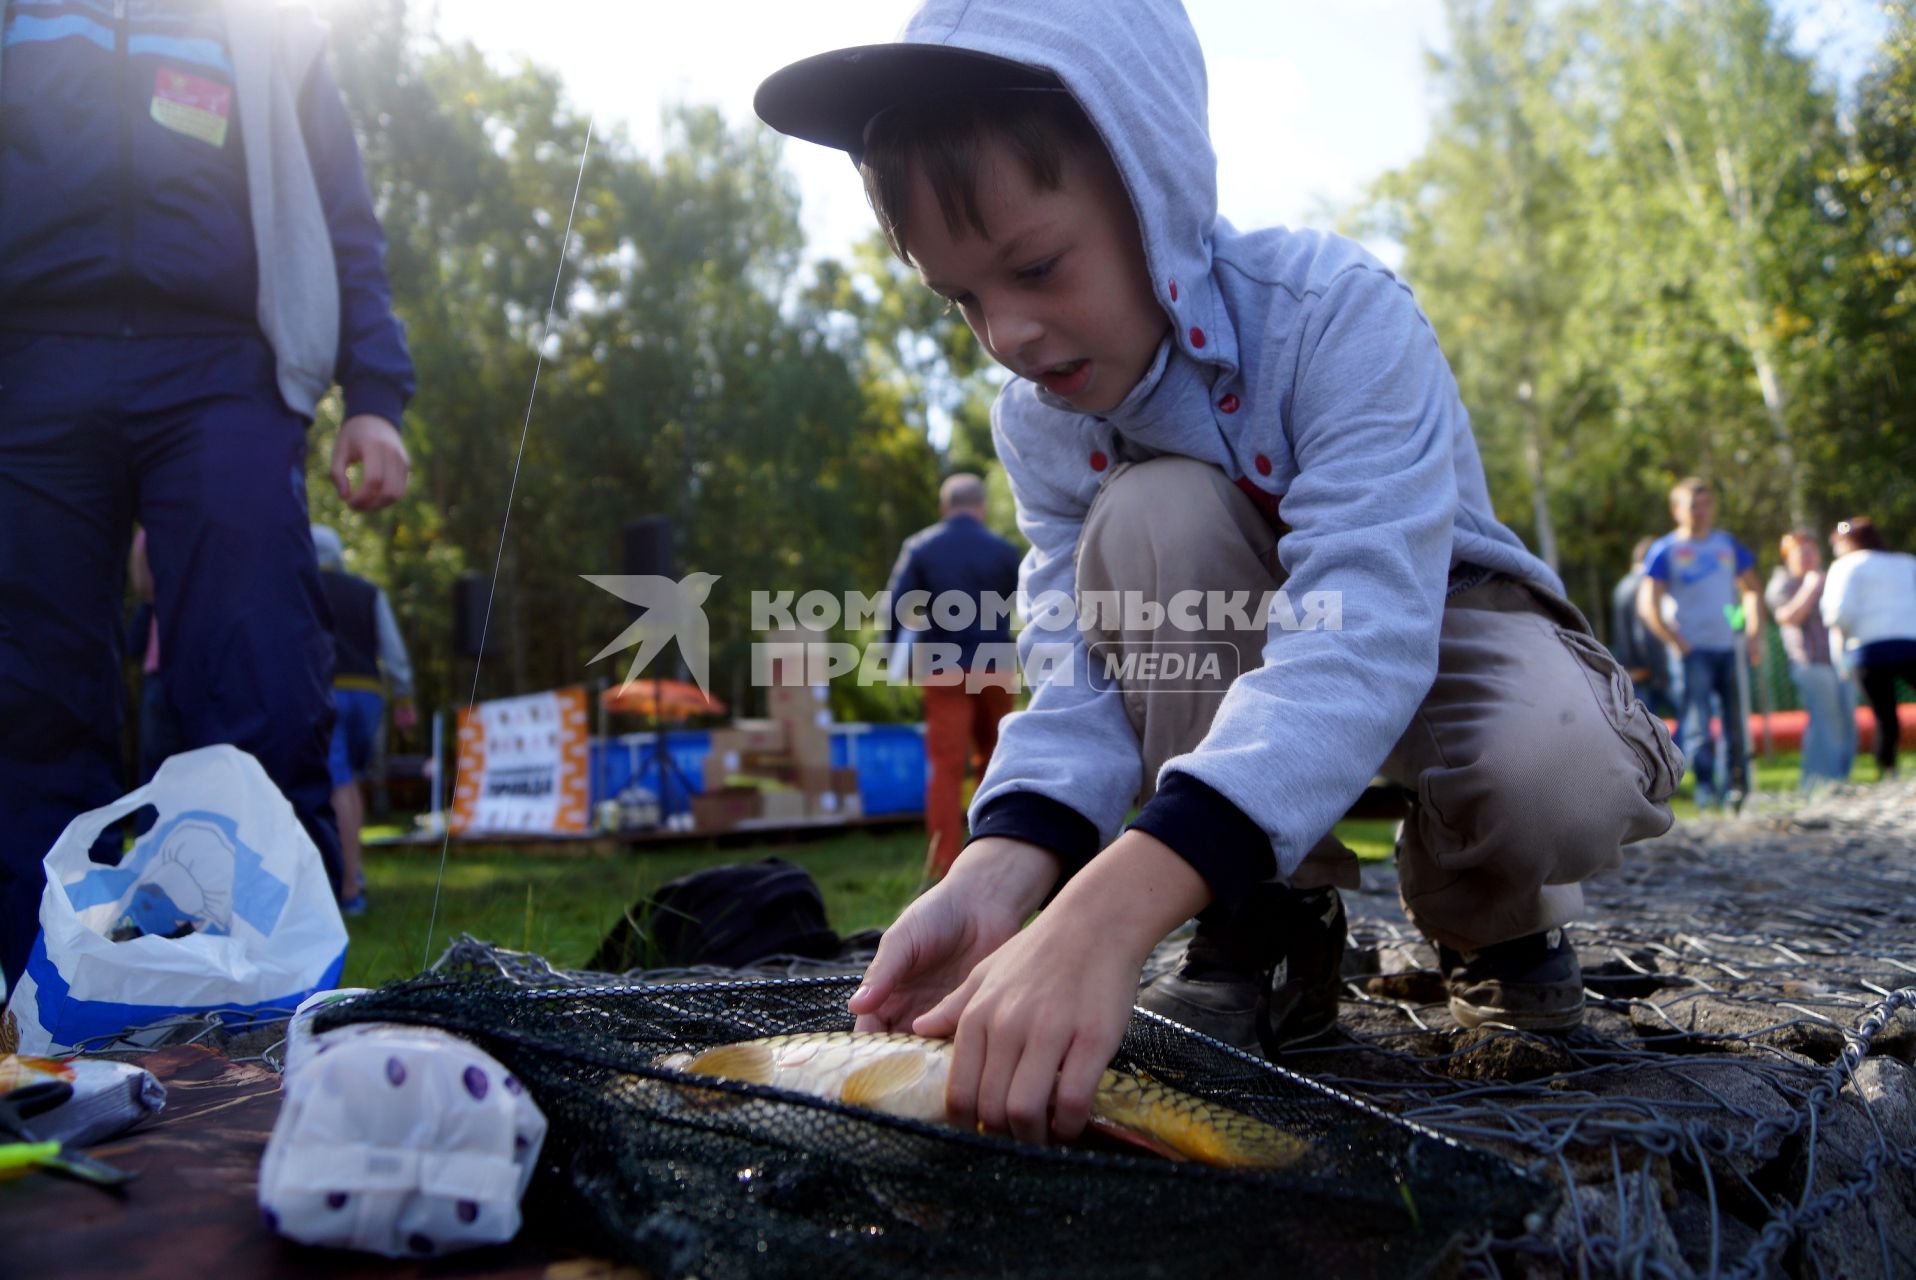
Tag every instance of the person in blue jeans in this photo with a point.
(189, 260)
(1795, 598)
(368, 652)
(1695, 578)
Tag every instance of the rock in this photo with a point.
(1494, 1054)
(1756, 1020)
(1690, 1221)
(1731, 1099)
(1417, 986)
(1620, 1229)
(1874, 1234)
(1898, 1039)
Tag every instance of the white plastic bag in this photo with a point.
(225, 865)
(401, 1140)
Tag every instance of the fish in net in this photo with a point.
(641, 1164)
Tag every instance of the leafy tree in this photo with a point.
(678, 377)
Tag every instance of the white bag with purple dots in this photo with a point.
(398, 1140)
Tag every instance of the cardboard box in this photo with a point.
(749, 735)
(810, 745)
(748, 747)
(834, 804)
(725, 808)
(831, 792)
(821, 778)
(782, 806)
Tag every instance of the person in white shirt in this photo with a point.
(1869, 605)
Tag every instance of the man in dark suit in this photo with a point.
(952, 589)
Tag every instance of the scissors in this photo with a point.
(19, 1149)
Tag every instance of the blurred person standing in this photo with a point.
(1795, 596)
(1701, 571)
(1636, 648)
(962, 657)
(189, 260)
(368, 653)
(1869, 605)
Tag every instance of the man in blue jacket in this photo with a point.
(189, 260)
(962, 660)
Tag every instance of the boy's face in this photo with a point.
(1059, 294)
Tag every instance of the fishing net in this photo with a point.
(741, 1180)
(1739, 1101)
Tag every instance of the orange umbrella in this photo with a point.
(668, 700)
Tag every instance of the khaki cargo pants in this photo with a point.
(1521, 791)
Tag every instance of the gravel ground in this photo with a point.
(1740, 1100)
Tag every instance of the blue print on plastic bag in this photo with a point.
(193, 867)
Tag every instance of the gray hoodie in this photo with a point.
(1296, 360)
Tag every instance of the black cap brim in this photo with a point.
(830, 98)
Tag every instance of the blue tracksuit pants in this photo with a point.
(188, 435)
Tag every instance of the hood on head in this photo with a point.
(330, 550)
(1134, 66)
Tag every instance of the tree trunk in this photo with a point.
(1776, 405)
(1535, 450)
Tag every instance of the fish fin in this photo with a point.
(872, 1086)
(750, 1062)
(1139, 1109)
(1136, 1137)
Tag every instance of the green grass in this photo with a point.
(560, 905)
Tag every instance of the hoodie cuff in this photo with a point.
(377, 398)
(1230, 851)
(1057, 828)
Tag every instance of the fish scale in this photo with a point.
(904, 1075)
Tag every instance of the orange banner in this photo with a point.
(523, 766)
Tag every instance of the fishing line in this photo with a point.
(505, 522)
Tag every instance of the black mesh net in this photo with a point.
(638, 1166)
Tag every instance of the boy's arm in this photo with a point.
(1752, 588)
(1650, 609)
(1752, 612)
(1373, 422)
(1067, 768)
(1061, 778)
(1038, 1020)
(934, 945)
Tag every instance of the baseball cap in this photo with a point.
(831, 98)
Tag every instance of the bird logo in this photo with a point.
(671, 609)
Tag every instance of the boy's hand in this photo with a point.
(1037, 1021)
(373, 443)
(939, 938)
(1035, 1024)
